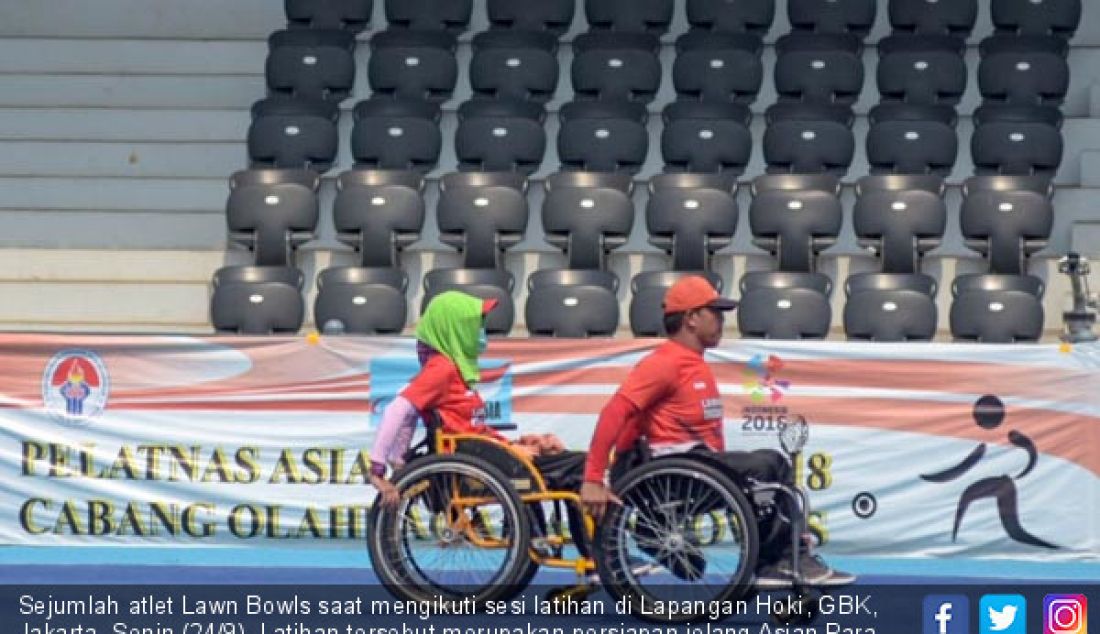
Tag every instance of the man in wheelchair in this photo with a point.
(671, 400)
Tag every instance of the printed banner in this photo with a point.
(914, 449)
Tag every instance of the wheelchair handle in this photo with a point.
(503, 426)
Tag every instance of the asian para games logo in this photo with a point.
(75, 386)
(761, 381)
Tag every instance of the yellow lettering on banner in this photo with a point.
(337, 457)
(87, 459)
(186, 458)
(248, 459)
(125, 461)
(169, 516)
(100, 517)
(152, 460)
(131, 521)
(26, 516)
(242, 526)
(59, 461)
(287, 468)
(310, 525)
(68, 517)
(32, 452)
(217, 468)
(360, 470)
(314, 461)
(191, 524)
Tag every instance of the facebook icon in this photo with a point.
(946, 614)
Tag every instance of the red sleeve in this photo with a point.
(429, 386)
(650, 381)
(618, 427)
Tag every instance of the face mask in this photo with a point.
(482, 341)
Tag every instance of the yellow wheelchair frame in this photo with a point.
(532, 490)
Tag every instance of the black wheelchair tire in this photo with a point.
(402, 583)
(605, 547)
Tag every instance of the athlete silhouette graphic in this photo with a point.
(989, 413)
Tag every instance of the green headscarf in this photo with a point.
(451, 324)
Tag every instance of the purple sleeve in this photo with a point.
(395, 432)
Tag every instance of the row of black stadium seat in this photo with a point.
(582, 303)
(925, 69)
(690, 216)
(1057, 17)
(495, 135)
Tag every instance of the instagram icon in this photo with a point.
(1065, 614)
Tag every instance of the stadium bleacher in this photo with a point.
(381, 134)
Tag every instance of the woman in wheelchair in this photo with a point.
(671, 400)
(450, 337)
(476, 497)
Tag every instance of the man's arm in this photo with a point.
(618, 422)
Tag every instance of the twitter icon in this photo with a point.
(1002, 614)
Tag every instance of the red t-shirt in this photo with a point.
(677, 397)
(439, 386)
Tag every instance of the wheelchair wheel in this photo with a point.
(684, 535)
(459, 531)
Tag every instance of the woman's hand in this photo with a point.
(389, 493)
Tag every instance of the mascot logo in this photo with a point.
(75, 386)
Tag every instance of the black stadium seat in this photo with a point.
(832, 16)
(1007, 219)
(257, 300)
(993, 308)
(378, 213)
(449, 15)
(922, 69)
(351, 15)
(482, 214)
(819, 68)
(616, 66)
(691, 216)
(912, 139)
(396, 134)
(716, 66)
(795, 217)
(890, 307)
(647, 296)
(499, 135)
(361, 301)
(1032, 17)
(600, 136)
(515, 65)
(571, 303)
(653, 16)
(1017, 140)
(272, 212)
(413, 64)
(783, 305)
(554, 16)
(311, 63)
(743, 16)
(587, 215)
(484, 283)
(956, 17)
(290, 132)
(701, 136)
(808, 139)
(899, 218)
(1025, 70)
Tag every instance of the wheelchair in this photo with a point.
(472, 523)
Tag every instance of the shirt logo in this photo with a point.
(712, 408)
(700, 385)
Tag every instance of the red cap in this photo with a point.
(694, 291)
